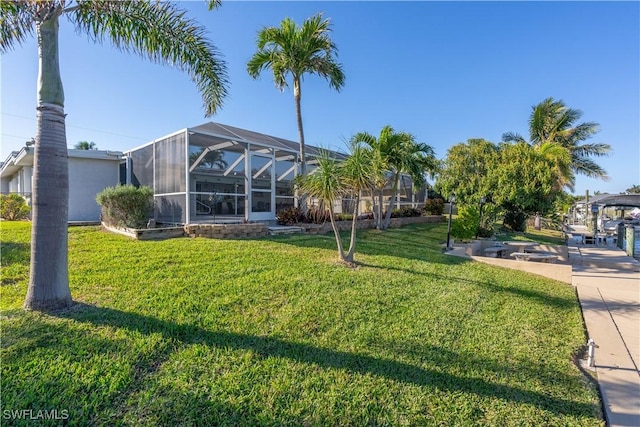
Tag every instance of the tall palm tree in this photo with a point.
(130, 26)
(296, 51)
(552, 121)
(393, 155)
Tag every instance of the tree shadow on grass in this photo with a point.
(530, 294)
(413, 242)
(266, 347)
(14, 252)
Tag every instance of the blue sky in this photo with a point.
(444, 71)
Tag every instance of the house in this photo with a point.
(220, 173)
(207, 173)
(90, 172)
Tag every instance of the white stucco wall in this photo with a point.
(88, 177)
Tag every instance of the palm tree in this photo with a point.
(131, 26)
(208, 158)
(296, 51)
(332, 180)
(552, 121)
(327, 184)
(395, 154)
(85, 145)
(357, 175)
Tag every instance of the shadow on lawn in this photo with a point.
(540, 297)
(423, 242)
(265, 347)
(12, 252)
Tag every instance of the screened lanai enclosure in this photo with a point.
(221, 173)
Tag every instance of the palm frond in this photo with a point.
(363, 137)
(358, 169)
(582, 132)
(589, 168)
(17, 20)
(163, 34)
(325, 182)
(512, 137)
(597, 150)
(289, 49)
(259, 62)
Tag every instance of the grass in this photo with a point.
(275, 332)
(544, 236)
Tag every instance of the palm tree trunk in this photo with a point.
(49, 283)
(387, 218)
(380, 211)
(337, 234)
(374, 207)
(297, 95)
(352, 242)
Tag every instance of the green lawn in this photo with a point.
(544, 236)
(275, 332)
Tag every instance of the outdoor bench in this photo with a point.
(495, 251)
(540, 257)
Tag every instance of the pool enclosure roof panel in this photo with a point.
(250, 137)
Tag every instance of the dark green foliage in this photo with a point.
(434, 206)
(290, 216)
(485, 231)
(405, 212)
(13, 207)
(126, 205)
(515, 220)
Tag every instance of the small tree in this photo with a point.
(13, 207)
(332, 180)
(634, 189)
(85, 145)
(126, 205)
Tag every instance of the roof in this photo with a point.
(18, 159)
(619, 200)
(250, 137)
(613, 200)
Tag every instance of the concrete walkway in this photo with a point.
(608, 286)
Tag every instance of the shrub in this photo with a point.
(290, 216)
(434, 206)
(344, 217)
(126, 205)
(367, 215)
(515, 220)
(317, 215)
(13, 207)
(405, 212)
(465, 226)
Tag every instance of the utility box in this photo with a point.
(622, 234)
